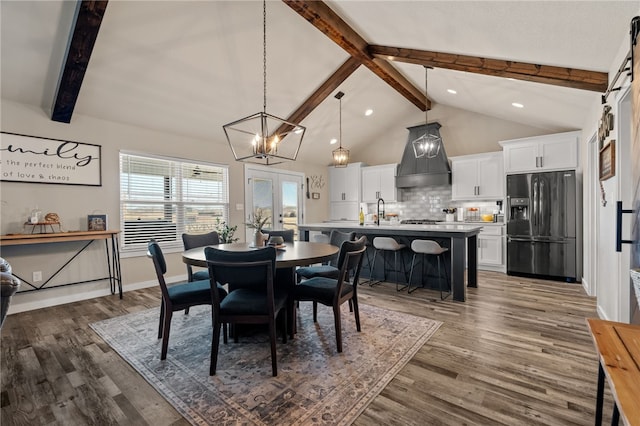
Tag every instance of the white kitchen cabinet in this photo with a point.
(541, 153)
(491, 248)
(344, 192)
(379, 182)
(344, 183)
(477, 177)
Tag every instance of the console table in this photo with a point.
(618, 347)
(87, 237)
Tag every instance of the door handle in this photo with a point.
(619, 212)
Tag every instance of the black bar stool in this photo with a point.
(384, 245)
(428, 248)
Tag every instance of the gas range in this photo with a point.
(419, 222)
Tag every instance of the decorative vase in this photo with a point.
(258, 238)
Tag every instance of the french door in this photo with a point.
(277, 193)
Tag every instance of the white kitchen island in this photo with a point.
(462, 243)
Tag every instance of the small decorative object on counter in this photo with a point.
(36, 214)
(450, 214)
(361, 218)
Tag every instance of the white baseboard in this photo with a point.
(29, 301)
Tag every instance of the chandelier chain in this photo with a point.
(264, 54)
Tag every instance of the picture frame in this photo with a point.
(607, 161)
(97, 222)
(315, 195)
(34, 159)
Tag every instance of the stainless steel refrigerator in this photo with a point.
(541, 225)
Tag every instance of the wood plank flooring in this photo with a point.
(518, 352)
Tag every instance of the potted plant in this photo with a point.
(225, 232)
(449, 214)
(256, 221)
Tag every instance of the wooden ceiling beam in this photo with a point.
(327, 21)
(81, 41)
(321, 93)
(546, 74)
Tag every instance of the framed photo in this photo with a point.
(33, 159)
(607, 163)
(315, 195)
(97, 222)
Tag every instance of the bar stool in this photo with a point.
(384, 245)
(429, 248)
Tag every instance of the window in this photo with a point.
(162, 198)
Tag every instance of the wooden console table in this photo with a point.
(618, 347)
(112, 253)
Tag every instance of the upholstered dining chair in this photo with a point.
(252, 298)
(199, 240)
(286, 234)
(330, 270)
(176, 297)
(334, 292)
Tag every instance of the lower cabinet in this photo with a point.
(491, 248)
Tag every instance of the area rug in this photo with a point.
(315, 383)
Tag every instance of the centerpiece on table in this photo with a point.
(256, 221)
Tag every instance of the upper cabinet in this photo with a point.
(379, 182)
(477, 177)
(344, 182)
(541, 153)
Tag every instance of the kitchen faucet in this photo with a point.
(378, 220)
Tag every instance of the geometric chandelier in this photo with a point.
(260, 138)
(427, 145)
(340, 155)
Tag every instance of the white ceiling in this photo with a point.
(189, 67)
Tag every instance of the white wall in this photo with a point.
(74, 203)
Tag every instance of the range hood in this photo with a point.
(413, 172)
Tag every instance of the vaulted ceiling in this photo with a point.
(189, 67)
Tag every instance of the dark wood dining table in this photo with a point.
(290, 255)
(298, 253)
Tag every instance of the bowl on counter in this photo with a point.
(487, 217)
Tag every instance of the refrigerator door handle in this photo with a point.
(534, 214)
(619, 212)
(518, 239)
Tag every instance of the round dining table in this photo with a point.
(289, 255)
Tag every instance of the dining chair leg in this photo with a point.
(161, 319)
(215, 344)
(165, 333)
(315, 311)
(272, 339)
(336, 318)
(356, 311)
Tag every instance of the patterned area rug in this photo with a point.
(315, 383)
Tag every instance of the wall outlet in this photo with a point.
(37, 276)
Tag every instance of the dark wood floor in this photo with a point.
(518, 352)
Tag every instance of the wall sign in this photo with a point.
(608, 161)
(39, 160)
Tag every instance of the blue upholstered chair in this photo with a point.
(252, 299)
(334, 292)
(331, 270)
(176, 297)
(199, 240)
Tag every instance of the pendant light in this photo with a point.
(260, 138)
(340, 155)
(427, 145)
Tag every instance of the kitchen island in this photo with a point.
(460, 239)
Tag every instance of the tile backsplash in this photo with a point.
(428, 203)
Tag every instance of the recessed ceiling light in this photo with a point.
(517, 105)
(511, 79)
(368, 112)
(453, 92)
(333, 141)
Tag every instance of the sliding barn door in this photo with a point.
(635, 150)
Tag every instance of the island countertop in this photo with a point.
(463, 238)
